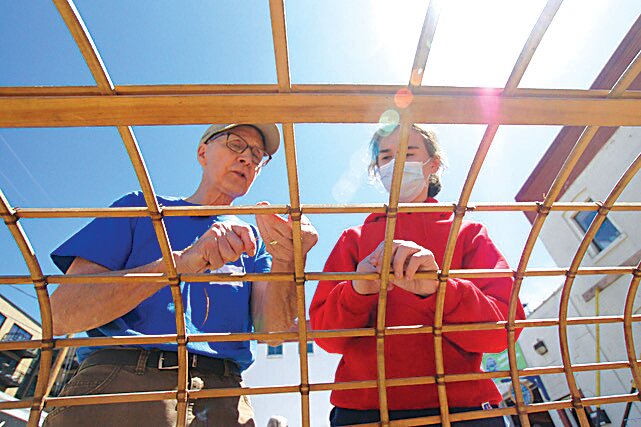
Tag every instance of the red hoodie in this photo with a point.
(337, 306)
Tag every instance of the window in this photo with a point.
(7, 365)
(310, 347)
(16, 333)
(274, 351)
(607, 233)
(2, 319)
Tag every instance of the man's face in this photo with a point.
(227, 171)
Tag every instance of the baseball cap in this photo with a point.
(269, 132)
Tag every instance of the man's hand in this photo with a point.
(274, 304)
(224, 242)
(407, 259)
(276, 231)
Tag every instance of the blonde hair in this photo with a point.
(431, 144)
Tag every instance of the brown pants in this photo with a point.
(105, 379)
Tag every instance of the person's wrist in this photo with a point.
(361, 288)
(430, 288)
(178, 260)
(186, 262)
(282, 265)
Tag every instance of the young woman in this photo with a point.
(419, 245)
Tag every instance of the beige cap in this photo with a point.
(269, 132)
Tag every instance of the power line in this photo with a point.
(17, 288)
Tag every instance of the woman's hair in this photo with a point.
(431, 144)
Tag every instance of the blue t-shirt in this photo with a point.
(123, 243)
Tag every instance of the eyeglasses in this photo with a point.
(238, 145)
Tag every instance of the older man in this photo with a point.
(231, 156)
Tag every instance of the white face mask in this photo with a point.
(414, 181)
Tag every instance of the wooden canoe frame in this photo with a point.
(124, 106)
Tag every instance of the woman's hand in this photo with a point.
(277, 233)
(408, 258)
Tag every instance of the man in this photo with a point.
(231, 156)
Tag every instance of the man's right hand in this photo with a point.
(224, 242)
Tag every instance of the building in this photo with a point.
(617, 243)
(16, 325)
(277, 366)
(16, 366)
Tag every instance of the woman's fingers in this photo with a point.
(407, 258)
(400, 258)
(418, 260)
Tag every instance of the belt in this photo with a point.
(162, 360)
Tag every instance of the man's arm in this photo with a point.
(273, 304)
(80, 307)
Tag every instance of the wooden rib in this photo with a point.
(126, 110)
(535, 37)
(257, 89)
(55, 369)
(553, 193)
(138, 212)
(39, 282)
(85, 43)
(299, 265)
(354, 385)
(390, 225)
(539, 30)
(289, 336)
(200, 89)
(91, 55)
(420, 59)
(108, 278)
(11, 91)
(138, 163)
(425, 40)
(451, 90)
(580, 253)
(532, 43)
(627, 327)
(279, 34)
(199, 394)
(17, 404)
(418, 71)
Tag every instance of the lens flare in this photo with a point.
(490, 105)
(388, 121)
(403, 98)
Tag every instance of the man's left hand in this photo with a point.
(277, 233)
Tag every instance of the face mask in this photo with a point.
(414, 181)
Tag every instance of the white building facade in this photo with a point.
(277, 366)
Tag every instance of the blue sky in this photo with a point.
(229, 42)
